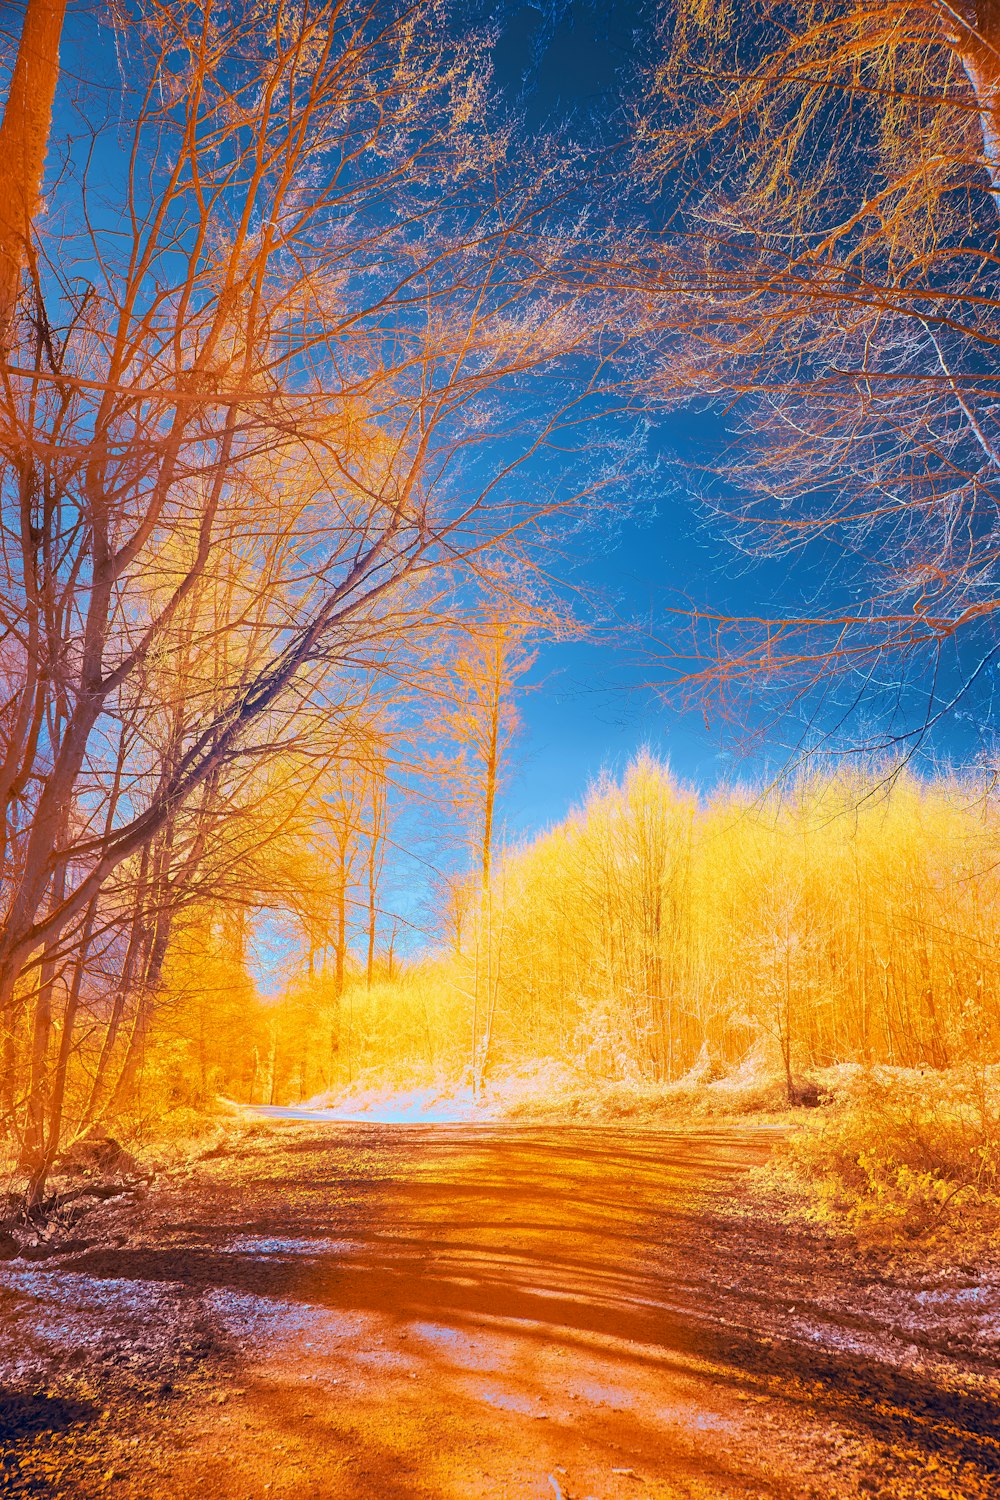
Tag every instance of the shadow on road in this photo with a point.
(568, 1235)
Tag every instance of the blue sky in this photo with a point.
(590, 706)
(593, 706)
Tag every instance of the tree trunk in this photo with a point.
(143, 1014)
(977, 44)
(33, 1146)
(8, 1072)
(272, 1062)
(121, 992)
(54, 1135)
(24, 139)
(340, 952)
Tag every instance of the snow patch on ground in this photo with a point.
(254, 1320)
(418, 1106)
(249, 1244)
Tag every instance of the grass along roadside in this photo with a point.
(902, 1157)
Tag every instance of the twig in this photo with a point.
(954, 1193)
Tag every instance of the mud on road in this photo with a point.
(359, 1312)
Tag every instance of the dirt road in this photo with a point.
(370, 1313)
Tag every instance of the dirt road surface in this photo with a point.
(360, 1312)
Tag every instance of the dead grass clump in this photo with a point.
(556, 1091)
(903, 1153)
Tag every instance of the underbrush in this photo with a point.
(899, 1155)
(552, 1091)
(134, 1147)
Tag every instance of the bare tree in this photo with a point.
(480, 717)
(831, 280)
(252, 421)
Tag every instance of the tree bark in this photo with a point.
(340, 950)
(976, 40)
(53, 1139)
(33, 1146)
(24, 139)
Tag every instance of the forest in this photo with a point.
(650, 937)
(323, 374)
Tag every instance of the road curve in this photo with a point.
(496, 1311)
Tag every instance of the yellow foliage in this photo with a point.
(207, 1031)
(848, 918)
(900, 1153)
(656, 936)
(661, 955)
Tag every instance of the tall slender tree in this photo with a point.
(481, 717)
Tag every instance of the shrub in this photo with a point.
(900, 1152)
